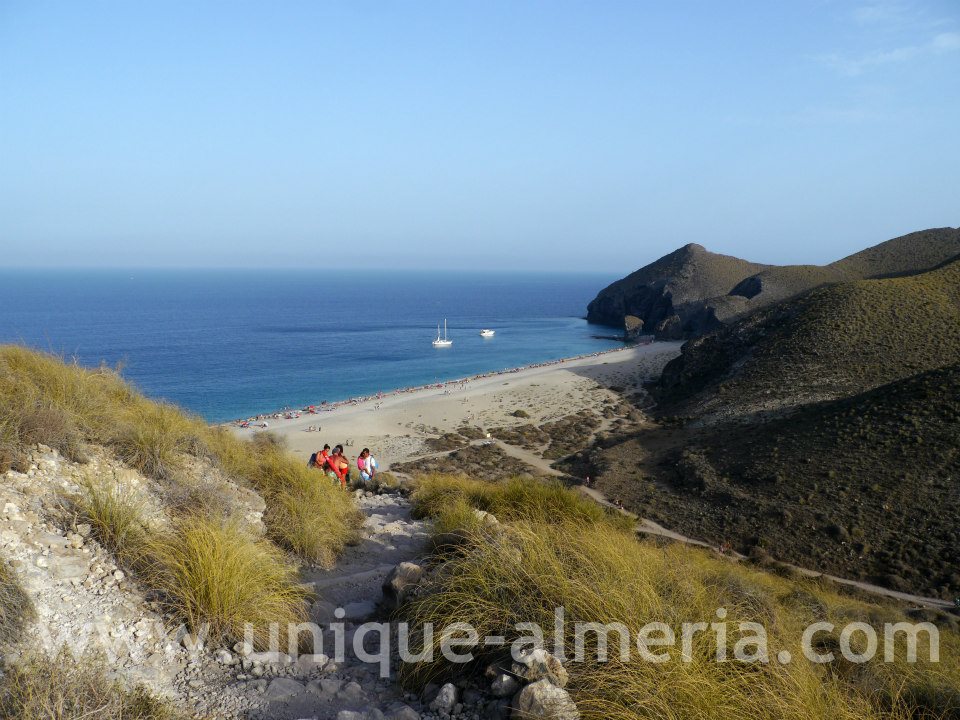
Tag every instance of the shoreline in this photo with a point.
(288, 413)
(410, 423)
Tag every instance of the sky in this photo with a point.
(482, 135)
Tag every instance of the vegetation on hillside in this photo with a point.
(67, 688)
(205, 566)
(866, 485)
(16, 608)
(829, 343)
(521, 569)
(65, 406)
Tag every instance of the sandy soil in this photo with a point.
(396, 427)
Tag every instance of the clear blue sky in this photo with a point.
(554, 135)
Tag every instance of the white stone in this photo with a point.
(543, 699)
(446, 699)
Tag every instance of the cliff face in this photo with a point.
(693, 291)
(668, 295)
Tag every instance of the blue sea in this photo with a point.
(233, 343)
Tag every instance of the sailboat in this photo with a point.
(442, 341)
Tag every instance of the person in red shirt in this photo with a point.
(337, 463)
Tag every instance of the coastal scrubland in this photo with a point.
(551, 547)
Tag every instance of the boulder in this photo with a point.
(400, 583)
(543, 699)
(404, 713)
(487, 520)
(282, 689)
(632, 327)
(537, 664)
(446, 699)
(504, 685)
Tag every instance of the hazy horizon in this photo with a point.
(471, 136)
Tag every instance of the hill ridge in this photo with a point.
(692, 291)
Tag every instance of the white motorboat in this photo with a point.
(487, 333)
(442, 341)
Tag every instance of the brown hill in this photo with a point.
(693, 291)
(829, 343)
(668, 294)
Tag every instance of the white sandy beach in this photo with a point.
(396, 426)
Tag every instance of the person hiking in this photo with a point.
(338, 464)
(367, 465)
(318, 459)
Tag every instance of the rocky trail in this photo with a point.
(316, 685)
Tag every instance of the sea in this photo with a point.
(228, 344)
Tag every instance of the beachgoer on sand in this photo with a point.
(367, 464)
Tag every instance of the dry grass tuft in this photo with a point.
(513, 499)
(116, 517)
(213, 575)
(63, 688)
(16, 607)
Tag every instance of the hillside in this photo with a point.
(692, 291)
(829, 343)
(866, 484)
(132, 528)
(668, 295)
(509, 553)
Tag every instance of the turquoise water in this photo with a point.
(229, 344)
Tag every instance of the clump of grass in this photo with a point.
(16, 607)
(384, 482)
(115, 515)
(456, 525)
(213, 575)
(64, 688)
(514, 499)
(151, 437)
(43, 399)
(601, 574)
(305, 512)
